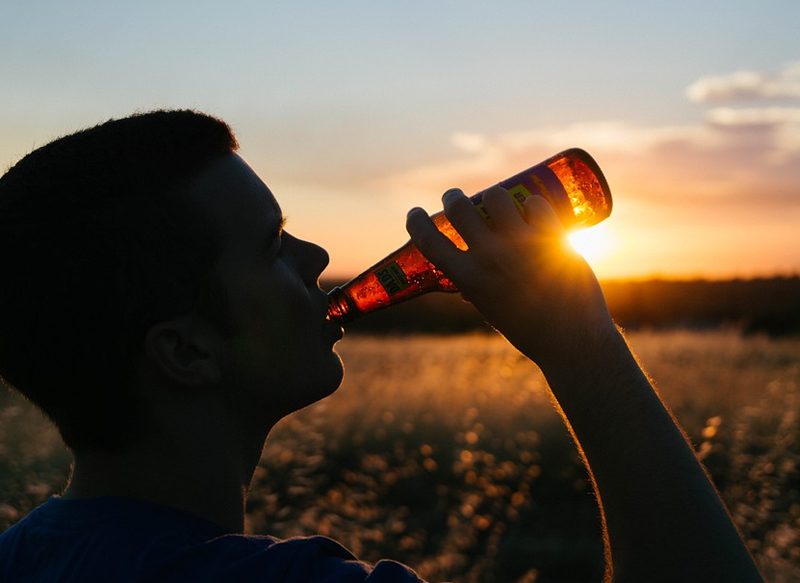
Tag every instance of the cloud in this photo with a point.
(745, 157)
(718, 198)
(478, 160)
(468, 142)
(754, 116)
(775, 128)
(747, 154)
(780, 124)
(747, 85)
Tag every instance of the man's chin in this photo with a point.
(333, 380)
(325, 383)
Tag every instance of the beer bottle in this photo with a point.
(570, 181)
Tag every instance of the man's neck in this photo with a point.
(206, 475)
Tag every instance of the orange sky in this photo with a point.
(709, 200)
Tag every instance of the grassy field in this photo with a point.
(445, 453)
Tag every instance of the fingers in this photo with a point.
(541, 217)
(437, 248)
(503, 212)
(463, 215)
(535, 214)
(540, 227)
(535, 226)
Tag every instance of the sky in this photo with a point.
(355, 111)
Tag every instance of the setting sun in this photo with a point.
(594, 244)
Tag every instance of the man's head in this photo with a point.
(106, 237)
(276, 354)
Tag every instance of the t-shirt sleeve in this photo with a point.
(392, 572)
(332, 563)
(315, 559)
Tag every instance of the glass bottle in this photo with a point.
(571, 181)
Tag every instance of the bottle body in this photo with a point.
(570, 181)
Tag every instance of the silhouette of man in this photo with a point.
(154, 307)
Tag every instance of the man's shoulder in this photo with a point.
(134, 542)
(317, 559)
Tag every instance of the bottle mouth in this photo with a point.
(586, 186)
(339, 306)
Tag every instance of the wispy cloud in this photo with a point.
(754, 116)
(720, 197)
(747, 85)
(776, 127)
(747, 156)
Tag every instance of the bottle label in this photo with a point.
(537, 180)
(518, 194)
(392, 278)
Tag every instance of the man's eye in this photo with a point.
(274, 248)
(273, 245)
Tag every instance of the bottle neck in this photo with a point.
(340, 308)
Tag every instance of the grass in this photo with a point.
(445, 453)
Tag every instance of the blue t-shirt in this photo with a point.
(125, 540)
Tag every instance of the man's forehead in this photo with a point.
(274, 202)
(229, 186)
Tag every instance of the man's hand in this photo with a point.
(662, 518)
(519, 272)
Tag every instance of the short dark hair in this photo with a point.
(97, 244)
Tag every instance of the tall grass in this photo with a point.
(445, 453)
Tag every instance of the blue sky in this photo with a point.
(354, 111)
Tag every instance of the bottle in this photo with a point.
(570, 181)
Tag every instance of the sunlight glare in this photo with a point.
(594, 244)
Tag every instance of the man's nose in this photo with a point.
(311, 260)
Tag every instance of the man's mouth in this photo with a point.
(333, 329)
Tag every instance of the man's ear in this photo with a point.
(186, 350)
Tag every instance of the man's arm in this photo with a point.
(662, 518)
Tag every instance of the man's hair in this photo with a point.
(97, 244)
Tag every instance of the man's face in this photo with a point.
(280, 355)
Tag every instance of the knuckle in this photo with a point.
(457, 205)
(452, 194)
(538, 206)
(425, 239)
(495, 193)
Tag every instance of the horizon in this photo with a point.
(354, 114)
(326, 279)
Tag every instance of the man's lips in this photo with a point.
(325, 303)
(334, 329)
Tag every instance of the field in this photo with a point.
(445, 453)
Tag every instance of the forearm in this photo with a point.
(664, 519)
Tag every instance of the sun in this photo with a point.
(594, 244)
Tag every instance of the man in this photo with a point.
(155, 308)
